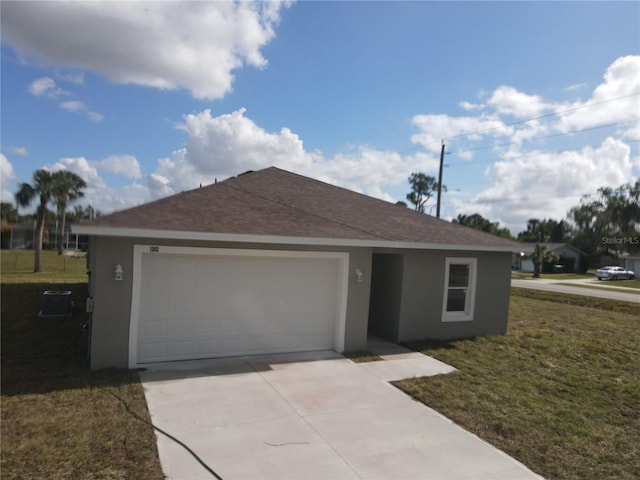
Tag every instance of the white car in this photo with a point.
(614, 273)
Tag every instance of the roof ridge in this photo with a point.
(302, 209)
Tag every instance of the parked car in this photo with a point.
(614, 273)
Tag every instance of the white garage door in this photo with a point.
(196, 303)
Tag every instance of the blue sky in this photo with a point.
(538, 103)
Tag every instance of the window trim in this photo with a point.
(470, 299)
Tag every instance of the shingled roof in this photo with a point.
(273, 203)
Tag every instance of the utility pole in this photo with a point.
(440, 180)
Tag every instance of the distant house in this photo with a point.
(569, 256)
(632, 262)
(270, 261)
(22, 236)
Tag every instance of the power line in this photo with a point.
(531, 119)
(550, 136)
(520, 157)
(554, 114)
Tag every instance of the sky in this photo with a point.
(537, 103)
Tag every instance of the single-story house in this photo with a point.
(22, 236)
(522, 263)
(271, 261)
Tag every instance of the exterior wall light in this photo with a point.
(118, 273)
(359, 275)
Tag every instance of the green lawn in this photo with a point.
(59, 420)
(554, 276)
(613, 287)
(16, 266)
(560, 392)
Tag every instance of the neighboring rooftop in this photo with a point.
(276, 203)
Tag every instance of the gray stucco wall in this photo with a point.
(111, 302)
(112, 299)
(423, 295)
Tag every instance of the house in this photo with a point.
(22, 236)
(573, 259)
(271, 261)
(632, 262)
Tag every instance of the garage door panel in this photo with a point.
(196, 306)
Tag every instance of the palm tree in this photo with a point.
(541, 254)
(43, 184)
(67, 187)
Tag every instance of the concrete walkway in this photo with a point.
(312, 415)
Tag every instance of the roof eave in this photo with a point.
(278, 239)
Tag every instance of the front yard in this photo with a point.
(560, 392)
(59, 421)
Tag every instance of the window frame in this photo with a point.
(470, 298)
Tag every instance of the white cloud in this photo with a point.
(370, 171)
(615, 100)
(471, 106)
(18, 151)
(229, 144)
(577, 86)
(73, 77)
(83, 168)
(45, 86)
(509, 101)
(223, 146)
(435, 128)
(522, 182)
(217, 145)
(166, 45)
(541, 184)
(631, 133)
(73, 106)
(124, 165)
(77, 106)
(7, 175)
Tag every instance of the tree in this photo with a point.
(547, 230)
(478, 222)
(43, 187)
(422, 189)
(83, 213)
(67, 187)
(541, 254)
(608, 223)
(400, 203)
(8, 213)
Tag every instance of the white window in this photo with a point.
(459, 289)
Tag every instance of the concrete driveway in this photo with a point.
(309, 416)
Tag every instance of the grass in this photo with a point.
(627, 287)
(363, 356)
(560, 392)
(622, 283)
(59, 420)
(577, 300)
(17, 267)
(553, 276)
